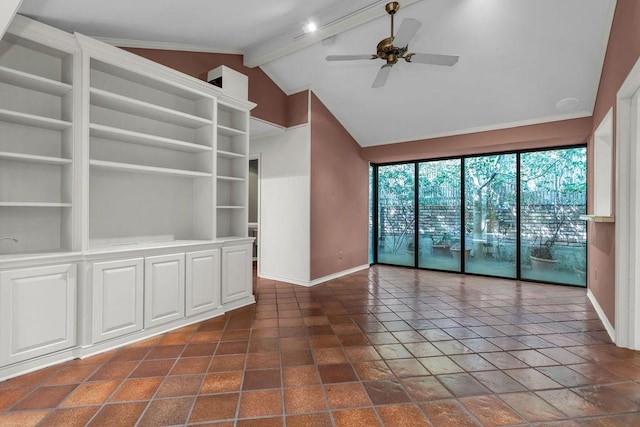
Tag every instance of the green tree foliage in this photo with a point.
(489, 183)
(489, 193)
(551, 177)
(396, 216)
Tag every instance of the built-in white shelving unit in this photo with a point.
(37, 139)
(123, 198)
(151, 151)
(232, 165)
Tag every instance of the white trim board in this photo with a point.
(260, 128)
(8, 9)
(627, 208)
(603, 318)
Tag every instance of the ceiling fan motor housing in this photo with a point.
(387, 51)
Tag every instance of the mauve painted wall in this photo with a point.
(298, 108)
(623, 52)
(543, 135)
(270, 99)
(339, 196)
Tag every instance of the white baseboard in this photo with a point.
(35, 364)
(314, 282)
(603, 318)
(283, 279)
(338, 275)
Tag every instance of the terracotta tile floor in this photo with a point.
(387, 346)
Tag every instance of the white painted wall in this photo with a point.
(285, 178)
(8, 9)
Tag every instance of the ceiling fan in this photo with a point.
(393, 48)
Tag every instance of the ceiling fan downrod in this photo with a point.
(392, 8)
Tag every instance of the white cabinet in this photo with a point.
(163, 289)
(202, 281)
(37, 311)
(236, 272)
(117, 298)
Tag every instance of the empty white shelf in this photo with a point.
(31, 120)
(230, 154)
(124, 104)
(227, 131)
(4, 155)
(108, 132)
(34, 205)
(128, 167)
(148, 81)
(33, 82)
(229, 178)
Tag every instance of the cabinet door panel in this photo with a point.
(236, 272)
(37, 311)
(117, 298)
(203, 281)
(164, 289)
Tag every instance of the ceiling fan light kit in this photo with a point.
(394, 48)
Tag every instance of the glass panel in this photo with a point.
(553, 196)
(396, 214)
(490, 216)
(371, 172)
(439, 202)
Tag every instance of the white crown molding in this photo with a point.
(488, 128)
(142, 44)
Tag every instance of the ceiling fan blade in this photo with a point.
(432, 59)
(383, 75)
(408, 29)
(349, 57)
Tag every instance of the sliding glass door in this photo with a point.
(396, 214)
(553, 196)
(439, 214)
(490, 215)
(372, 192)
(513, 215)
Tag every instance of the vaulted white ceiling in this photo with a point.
(518, 58)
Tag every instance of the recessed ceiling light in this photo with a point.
(567, 104)
(310, 27)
